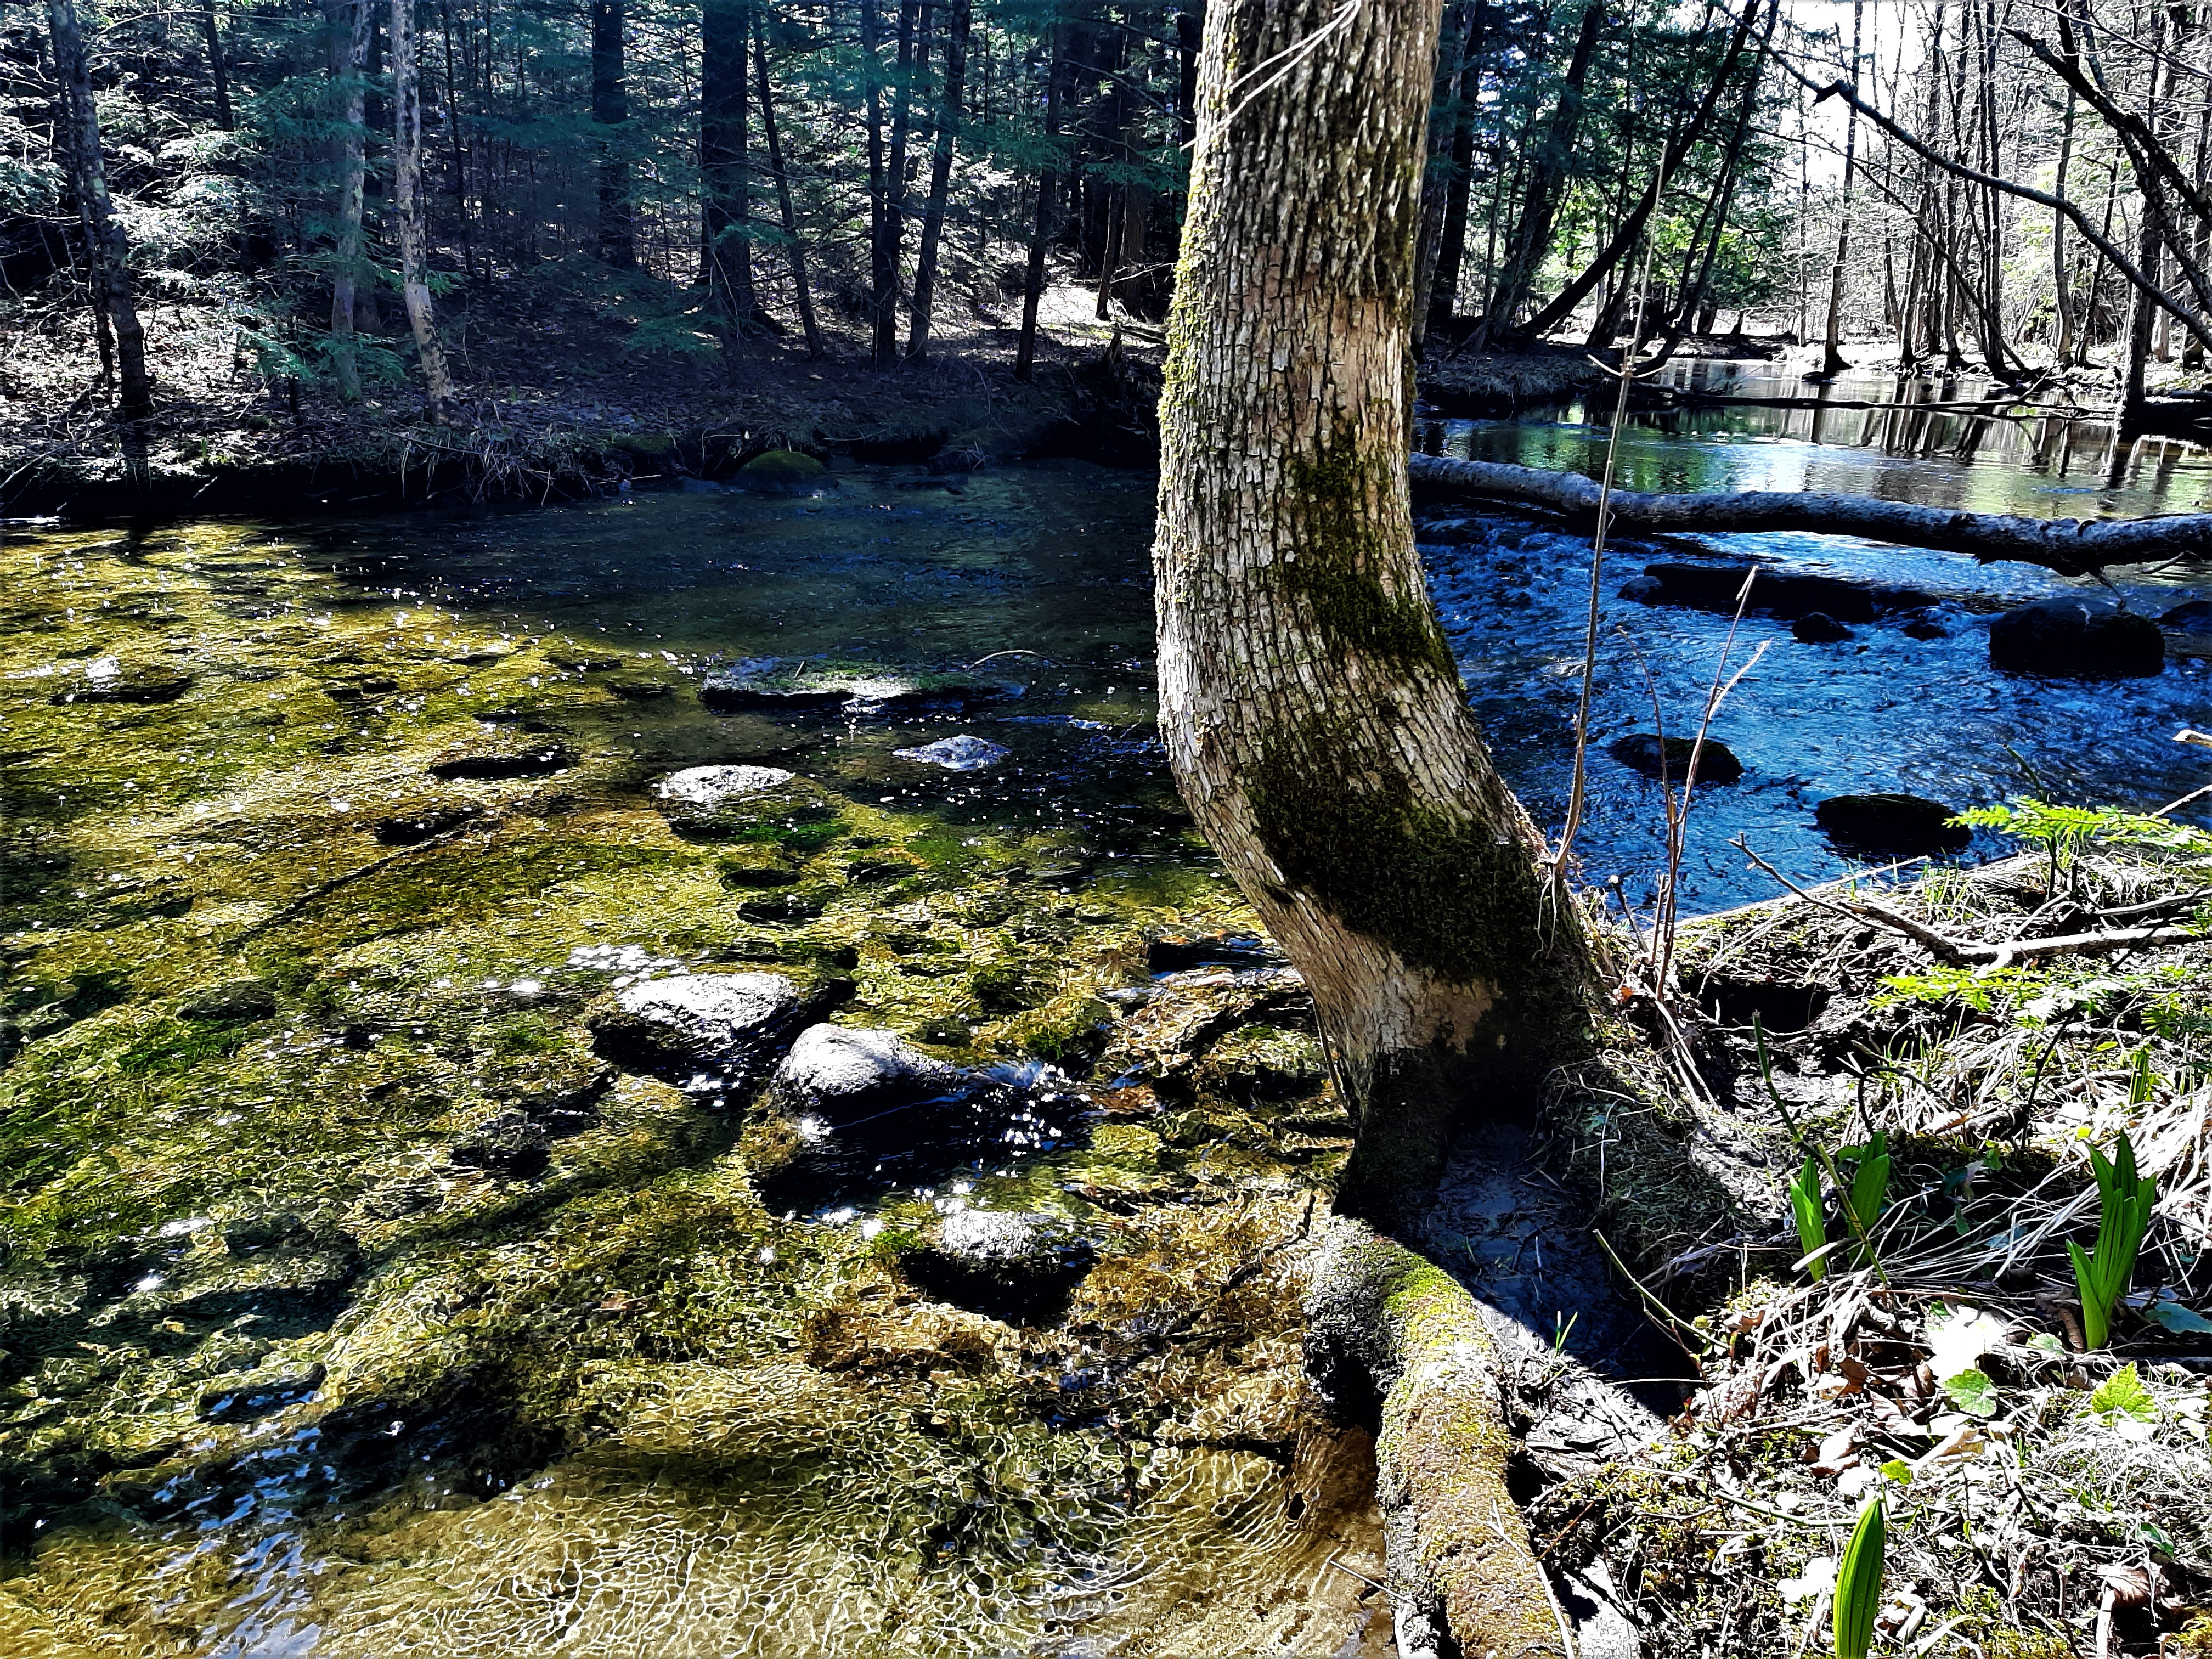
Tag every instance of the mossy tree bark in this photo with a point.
(1312, 712)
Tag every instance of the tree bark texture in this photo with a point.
(107, 251)
(941, 180)
(610, 108)
(725, 138)
(407, 194)
(350, 24)
(2074, 547)
(1047, 200)
(1312, 712)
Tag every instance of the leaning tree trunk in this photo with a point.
(940, 179)
(1312, 710)
(351, 22)
(794, 250)
(107, 251)
(407, 202)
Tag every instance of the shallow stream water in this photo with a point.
(300, 1362)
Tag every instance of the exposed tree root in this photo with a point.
(1384, 1326)
(2070, 546)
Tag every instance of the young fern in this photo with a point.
(1858, 1582)
(2123, 1207)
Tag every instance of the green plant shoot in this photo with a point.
(1805, 1205)
(1868, 1190)
(2123, 1207)
(1858, 1582)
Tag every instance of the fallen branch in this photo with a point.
(2073, 547)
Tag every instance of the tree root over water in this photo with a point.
(2073, 547)
(1385, 1327)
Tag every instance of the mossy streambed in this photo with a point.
(354, 1303)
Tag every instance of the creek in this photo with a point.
(352, 1304)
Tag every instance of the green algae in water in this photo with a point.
(298, 1350)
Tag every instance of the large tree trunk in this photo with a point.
(1831, 354)
(1451, 242)
(794, 250)
(350, 24)
(725, 31)
(218, 71)
(1312, 711)
(407, 202)
(610, 108)
(107, 251)
(941, 180)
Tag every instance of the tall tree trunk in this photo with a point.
(1832, 356)
(726, 257)
(107, 250)
(2061, 287)
(1312, 710)
(1047, 201)
(459, 154)
(218, 71)
(1531, 241)
(407, 205)
(883, 259)
(1435, 168)
(940, 179)
(1451, 240)
(610, 108)
(351, 25)
(794, 250)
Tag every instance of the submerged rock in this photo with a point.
(1641, 751)
(1018, 1266)
(727, 800)
(2077, 639)
(2194, 616)
(961, 754)
(126, 679)
(842, 1074)
(412, 829)
(235, 998)
(1786, 593)
(770, 683)
(783, 472)
(1924, 624)
(514, 755)
(1892, 823)
(245, 1394)
(1817, 627)
(690, 1021)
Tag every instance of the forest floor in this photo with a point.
(575, 382)
(2046, 1496)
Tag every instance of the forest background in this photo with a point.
(275, 223)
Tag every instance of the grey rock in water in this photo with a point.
(1924, 624)
(1018, 1266)
(233, 1000)
(1896, 824)
(124, 679)
(2193, 617)
(2077, 639)
(842, 1074)
(727, 800)
(422, 823)
(1817, 627)
(961, 754)
(1641, 751)
(719, 1022)
(245, 1394)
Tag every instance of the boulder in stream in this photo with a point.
(961, 754)
(775, 685)
(1899, 825)
(722, 1021)
(126, 679)
(1014, 1265)
(233, 1000)
(728, 800)
(1641, 751)
(1819, 628)
(844, 1074)
(783, 472)
(1775, 592)
(2192, 616)
(2077, 638)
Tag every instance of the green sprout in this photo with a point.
(1868, 1189)
(2123, 1207)
(1812, 1229)
(1858, 1582)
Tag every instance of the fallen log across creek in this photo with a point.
(2073, 547)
